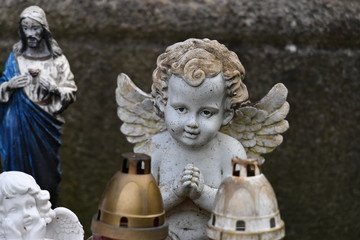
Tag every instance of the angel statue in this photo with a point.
(196, 119)
(35, 88)
(26, 214)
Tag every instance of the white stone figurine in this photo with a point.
(196, 119)
(26, 214)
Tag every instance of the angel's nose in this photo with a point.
(26, 213)
(192, 122)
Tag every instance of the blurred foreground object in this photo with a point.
(26, 214)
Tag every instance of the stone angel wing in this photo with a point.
(65, 226)
(137, 112)
(259, 126)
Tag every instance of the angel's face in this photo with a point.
(194, 115)
(21, 212)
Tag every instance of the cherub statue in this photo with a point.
(196, 119)
(35, 88)
(26, 214)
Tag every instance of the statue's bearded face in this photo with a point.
(33, 32)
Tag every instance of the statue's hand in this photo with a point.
(182, 186)
(191, 183)
(18, 82)
(37, 230)
(10, 229)
(197, 184)
(66, 98)
(48, 84)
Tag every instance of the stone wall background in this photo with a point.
(312, 46)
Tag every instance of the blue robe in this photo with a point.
(29, 136)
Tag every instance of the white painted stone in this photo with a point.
(196, 126)
(245, 207)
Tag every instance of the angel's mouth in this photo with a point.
(191, 134)
(27, 223)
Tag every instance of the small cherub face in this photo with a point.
(21, 210)
(33, 32)
(194, 115)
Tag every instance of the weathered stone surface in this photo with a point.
(313, 47)
(261, 21)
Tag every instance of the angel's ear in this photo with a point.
(160, 103)
(228, 116)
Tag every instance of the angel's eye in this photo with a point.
(30, 203)
(29, 206)
(13, 210)
(180, 110)
(206, 113)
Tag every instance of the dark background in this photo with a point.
(312, 46)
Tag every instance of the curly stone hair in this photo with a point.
(196, 59)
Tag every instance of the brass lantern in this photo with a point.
(131, 206)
